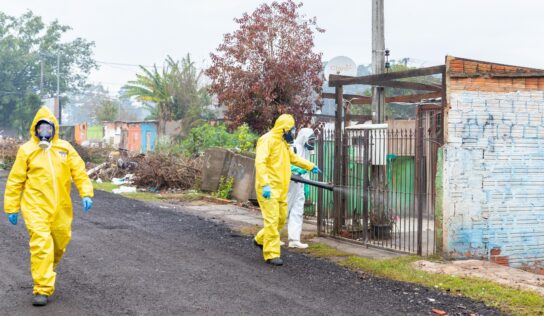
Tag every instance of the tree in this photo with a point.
(395, 110)
(107, 111)
(173, 93)
(82, 106)
(267, 67)
(26, 43)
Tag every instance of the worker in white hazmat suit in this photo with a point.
(302, 146)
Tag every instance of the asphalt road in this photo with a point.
(134, 258)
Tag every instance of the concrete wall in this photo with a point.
(493, 173)
(219, 163)
(242, 169)
(216, 164)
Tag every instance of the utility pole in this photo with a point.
(377, 181)
(58, 87)
(41, 75)
(378, 60)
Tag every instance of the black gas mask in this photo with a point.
(310, 143)
(289, 135)
(45, 131)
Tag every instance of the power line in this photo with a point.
(122, 64)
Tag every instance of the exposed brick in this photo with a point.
(496, 251)
(502, 260)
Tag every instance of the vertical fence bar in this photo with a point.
(420, 186)
(338, 207)
(366, 184)
(320, 163)
(344, 199)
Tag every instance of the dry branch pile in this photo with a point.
(8, 152)
(161, 171)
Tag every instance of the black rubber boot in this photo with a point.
(39, 300)
(257, 245)
(275, 261)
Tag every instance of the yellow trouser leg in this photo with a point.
(41, 260)
(269, 236)
(61, 238)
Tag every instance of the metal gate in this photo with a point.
(386, 197)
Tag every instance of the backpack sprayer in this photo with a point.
(314, 183)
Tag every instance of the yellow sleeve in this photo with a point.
(15, 184)
(79, 175)
(300, 162)
(261, 156)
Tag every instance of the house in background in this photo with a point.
(138, 137)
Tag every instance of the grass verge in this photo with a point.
(104, 186)
(509, 300)
(325, 251)
(142, 196)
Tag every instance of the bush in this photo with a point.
(225, 188)
(207, 136)
(166, 145)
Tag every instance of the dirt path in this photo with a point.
(133, 258)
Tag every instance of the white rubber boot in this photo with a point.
(297, 244)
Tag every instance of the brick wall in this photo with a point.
(493, 176)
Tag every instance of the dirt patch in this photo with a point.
(511, 277)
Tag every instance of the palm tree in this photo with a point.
(151, 87)
(173, 92)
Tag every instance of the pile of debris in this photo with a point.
(118, 165)
(8, 152)
(161, 171)
(152, 172)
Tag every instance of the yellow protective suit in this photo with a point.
(273, 167)
(44, 178)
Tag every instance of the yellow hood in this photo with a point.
(44, 114)
(284, 123)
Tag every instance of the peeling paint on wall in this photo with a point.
(494, 177)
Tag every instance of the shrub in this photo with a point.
(225, 187)
(206, 136)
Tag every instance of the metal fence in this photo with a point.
(386, 194)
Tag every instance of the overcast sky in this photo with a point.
(144, 32)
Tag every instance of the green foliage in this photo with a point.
(165, 145)
(246, 139)
(7, 163)
(206, 136)
(108, 111)
(26, 43)
(225, 188)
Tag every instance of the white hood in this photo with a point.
(302, 137)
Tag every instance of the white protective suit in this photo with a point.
(295, 196)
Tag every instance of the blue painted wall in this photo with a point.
(494, 177)
(150, 128)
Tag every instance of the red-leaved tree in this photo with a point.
(267, 67)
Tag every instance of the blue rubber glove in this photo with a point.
(298, 170)
(87, 204)
(13, 218)
(315, 170)
(267, 192)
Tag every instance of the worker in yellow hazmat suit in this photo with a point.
(273, 173)
(39, 185)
